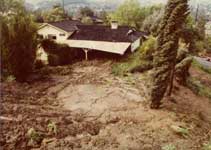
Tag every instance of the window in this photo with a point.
(51, 37)
(61, 34)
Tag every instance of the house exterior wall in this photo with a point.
(135, 45)
(49, 30)
(42, 55)
(208, 28)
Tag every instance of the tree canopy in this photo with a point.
(165, 56)
(132, 14)
(18, 40)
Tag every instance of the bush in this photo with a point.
(200, 47)
(139, 61)
(53, 60)
(208, 44)
(39, 64)
(59, 54)
(197, 87)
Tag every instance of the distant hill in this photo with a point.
(102, 4)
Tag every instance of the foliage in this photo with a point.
(39, 64)
(207, 146)
(22, 46)
(199, 46)
(193, 34)
(59, 54)
(181, 70)
(87, 20)
(19, 43)
(52, 128)
(129, 13)
(165, 56)
(139, 61)
(182, 53)
(196, 86)
(104, 16)
(4, 51)
(152, 22)
(169, 147)
(86, 12)
(34, 136)
(207, 44)
(55, 14)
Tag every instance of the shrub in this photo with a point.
(53, 60)
(139, 61)
(197, 87)
(200, 46)
(169, 147)
(39, 64)
(59, 54)
(208, 44)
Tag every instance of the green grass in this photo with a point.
(197, 87)
(207, 146)
(201, 67)
(168, 147)
(139, 61)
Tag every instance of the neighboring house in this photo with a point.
(208, 28)
(111, 39)
(58, 31)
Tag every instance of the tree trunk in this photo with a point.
(171, 82)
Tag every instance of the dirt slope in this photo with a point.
(92, 109)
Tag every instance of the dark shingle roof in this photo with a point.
(66, 25)
(105, 33)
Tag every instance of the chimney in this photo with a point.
(114, 25)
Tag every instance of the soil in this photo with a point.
(85, 107)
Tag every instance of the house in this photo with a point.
(58, 31)
(208, 28)
(110, 39)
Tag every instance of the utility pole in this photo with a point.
(63, 6)
(197, 12)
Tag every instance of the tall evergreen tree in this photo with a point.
(22, 45)
(175, 14)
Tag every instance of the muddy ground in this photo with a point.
(85, 107)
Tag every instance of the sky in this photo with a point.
(153, 1)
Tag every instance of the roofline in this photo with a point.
(45, 24)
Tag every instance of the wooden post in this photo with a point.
(86, 54)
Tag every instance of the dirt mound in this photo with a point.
(89, 108)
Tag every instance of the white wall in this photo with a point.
(135, 44)
(42, 55)
(45, 31)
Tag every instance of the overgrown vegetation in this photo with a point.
(19, 42)
(165, 57)
(60, 54)
(196, 86)
(132, 14)
(139, 61)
